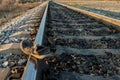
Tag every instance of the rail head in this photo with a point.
(30, 71)
(40, 34)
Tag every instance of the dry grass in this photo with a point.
(6, 5)
(110, 5)
(10, 9)
(104, 5)
(30, 5)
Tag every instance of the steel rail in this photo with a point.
(32, 66)
(39, 37)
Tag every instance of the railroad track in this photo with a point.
(78, 47)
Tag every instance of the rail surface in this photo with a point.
(39, 37)
(84, 48)
(31, 68)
